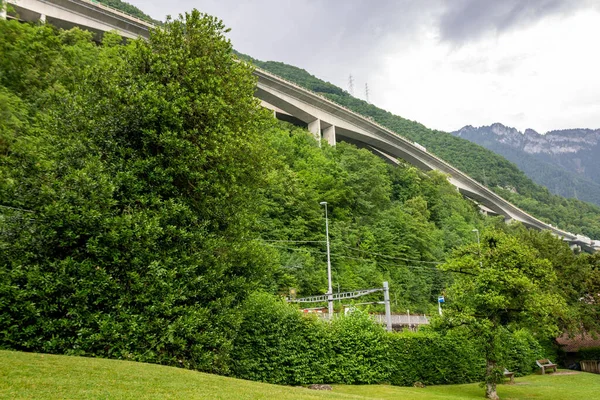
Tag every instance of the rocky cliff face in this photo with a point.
(553, 142)
(565, 161)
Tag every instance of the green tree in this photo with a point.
(140, 167)
(577, 277)
(499, 288)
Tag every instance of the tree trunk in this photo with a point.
(490, 385)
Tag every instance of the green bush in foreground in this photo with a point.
(278, 344)
(432, 358)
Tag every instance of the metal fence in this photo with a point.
(403, 319)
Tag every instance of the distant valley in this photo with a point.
(565, 161)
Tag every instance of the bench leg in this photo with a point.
(543, 371)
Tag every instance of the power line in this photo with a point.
(411, 267)
(293, 241)
(422, 267)
(392, 257)
(359, 250)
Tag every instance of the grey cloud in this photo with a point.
(466, 20)
(326, 35)
(333, 38)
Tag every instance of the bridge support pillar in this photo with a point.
(315, 128)
(3, 10)
(42, 18)
(329, 135)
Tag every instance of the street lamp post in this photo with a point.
(478, 246)
(329, 289)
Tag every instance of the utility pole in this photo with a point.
(330, 288)
(388, 311)
(367, 91)
(351, 85)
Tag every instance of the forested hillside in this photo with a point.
(386, 223)
(481, 164)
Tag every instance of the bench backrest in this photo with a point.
(544, 361)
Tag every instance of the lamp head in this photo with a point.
(323, 203)
(475, 230)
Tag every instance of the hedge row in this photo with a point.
(590, 353)
(277, 344)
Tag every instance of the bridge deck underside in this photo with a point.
(67, 14)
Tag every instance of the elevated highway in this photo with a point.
(332, 122)
(86, 14)
(327, 120)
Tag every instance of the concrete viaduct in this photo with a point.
(327, 120)
(86, 14)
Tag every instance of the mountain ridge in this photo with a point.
(562, 160)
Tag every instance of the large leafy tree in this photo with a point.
(128, 193)
(577, 278)
(500, 287)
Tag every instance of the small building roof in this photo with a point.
(573, 344)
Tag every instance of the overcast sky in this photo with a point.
(445, 63)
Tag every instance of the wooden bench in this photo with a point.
(511, 375)
(545, 364)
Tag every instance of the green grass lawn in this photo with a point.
(43, 376)
(547, 387)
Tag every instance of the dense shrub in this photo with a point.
(522, 352)
(359, 350)
(278, 344)
(433, 358)
(591, 353)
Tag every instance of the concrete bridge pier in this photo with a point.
(329, 135)
(314, 127)
(3, 10)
